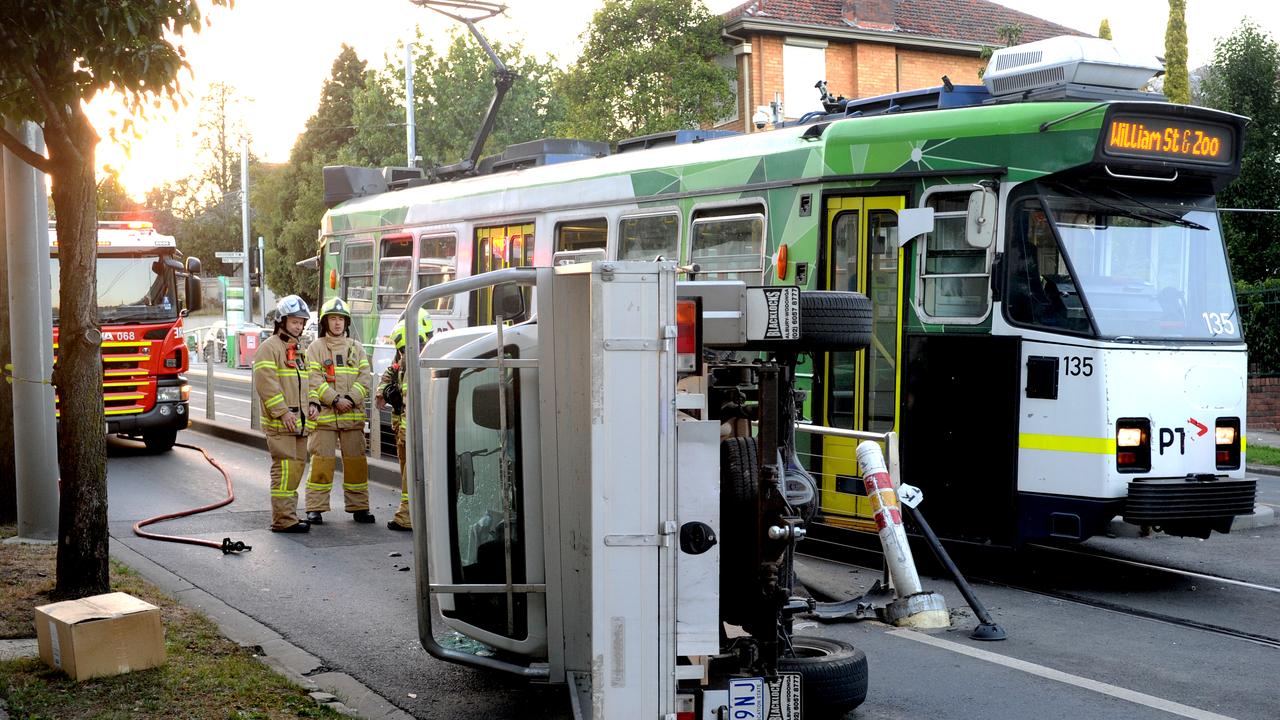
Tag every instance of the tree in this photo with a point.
(1243, 79)
(1104, 30)
(296, 198)
(1177, 84)
(647, 66)
(53, 58)
(113, 199)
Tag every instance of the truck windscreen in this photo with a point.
(129, 290)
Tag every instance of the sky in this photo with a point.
(278, 53)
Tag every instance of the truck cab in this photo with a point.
(611, 497)
(145, 289)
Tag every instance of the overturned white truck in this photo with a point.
(608, 495)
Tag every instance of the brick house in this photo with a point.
(862, 48)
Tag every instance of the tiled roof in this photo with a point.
(964, 20)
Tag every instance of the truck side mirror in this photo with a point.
(914, 222)
(980, 224)
(508, 301)
(195, 299)
(484, 406)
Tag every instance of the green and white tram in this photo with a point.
(1058, 347)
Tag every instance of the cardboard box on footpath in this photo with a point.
(101, 635)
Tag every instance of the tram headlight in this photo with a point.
(1227, 443)
(1133, 445)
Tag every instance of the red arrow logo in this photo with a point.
(1203, 428)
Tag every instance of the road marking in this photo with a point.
(220, 396)
(1114, 691)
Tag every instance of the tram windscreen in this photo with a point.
(1146, 267)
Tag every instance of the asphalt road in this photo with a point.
(339, 594)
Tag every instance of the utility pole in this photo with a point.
(411, 127)
(262, 279)
(244, 225)
(31, 336)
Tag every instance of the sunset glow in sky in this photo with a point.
(278, 53)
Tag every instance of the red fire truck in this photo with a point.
(140, 310)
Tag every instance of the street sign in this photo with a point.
(230, 256)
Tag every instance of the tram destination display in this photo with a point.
(1164, 138)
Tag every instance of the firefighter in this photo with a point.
(392, 391)
(280, 378)
(340, 381)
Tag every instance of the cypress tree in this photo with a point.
(1177, 86)
(1104, 30)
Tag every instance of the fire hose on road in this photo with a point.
(227, 546)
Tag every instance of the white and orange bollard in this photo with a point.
(913, 606)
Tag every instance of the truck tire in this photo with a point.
(833, 675)
(832, 320)
(739, 487)
(158, 441)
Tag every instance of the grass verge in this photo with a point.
(206, 676)
(1262, 455)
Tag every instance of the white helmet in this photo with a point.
(292, 306)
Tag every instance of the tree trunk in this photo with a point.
(77, 377)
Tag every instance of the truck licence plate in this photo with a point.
(760, 699)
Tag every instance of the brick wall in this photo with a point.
(1264, 403)
(922, 69)
(841, 72)
(877, 69)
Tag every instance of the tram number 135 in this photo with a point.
(1076, 366)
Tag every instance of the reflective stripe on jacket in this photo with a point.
(338, 367)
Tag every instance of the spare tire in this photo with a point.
(831, 320)
(739, 488)
(833, 675)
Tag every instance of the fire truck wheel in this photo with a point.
(833, 675)
(739, 485)
(158, 441)
(834, 320)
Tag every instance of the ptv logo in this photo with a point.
(1167, 436)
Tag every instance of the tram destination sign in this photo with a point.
(1165, 138)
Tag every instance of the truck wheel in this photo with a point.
(834, 320)
(158, 441)
(833, 675)
(739, 486)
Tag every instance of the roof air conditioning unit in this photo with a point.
(1068, 60)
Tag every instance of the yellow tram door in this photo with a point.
(859, 390)
(497, 247)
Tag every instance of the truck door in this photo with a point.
(858, 390)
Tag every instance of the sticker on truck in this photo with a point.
(761, 699)
(773, 313)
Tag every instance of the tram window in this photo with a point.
(437, 264)
(357, 275)
(649, 237)
(728, 246)
(395, 272)
(1040, 289)
(581, 234)
(953, 277)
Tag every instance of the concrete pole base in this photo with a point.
(924, 611)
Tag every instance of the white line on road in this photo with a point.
(1114, 691)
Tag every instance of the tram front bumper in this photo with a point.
(1196, 504)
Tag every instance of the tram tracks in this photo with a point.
(1015, 577)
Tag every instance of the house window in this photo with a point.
(954, 278)
(803, 65)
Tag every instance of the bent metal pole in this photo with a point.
(913, 607)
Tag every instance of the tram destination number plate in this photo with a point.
(761, 699)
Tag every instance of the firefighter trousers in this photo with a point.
(355, 469)
(288, 461)
(402, 514)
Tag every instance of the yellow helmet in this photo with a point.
(397, 335)
(335, 306)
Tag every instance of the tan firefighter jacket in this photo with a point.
(338, 367)
(280, 378)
